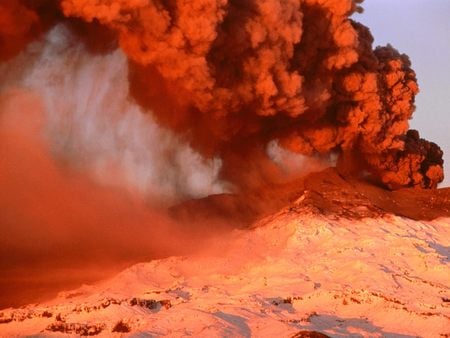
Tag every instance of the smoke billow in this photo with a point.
(232, 76)
(242, 73)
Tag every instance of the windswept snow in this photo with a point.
(297, 270)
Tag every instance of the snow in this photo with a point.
(296, 270)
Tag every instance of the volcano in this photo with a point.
(334, 259)
(214, 168)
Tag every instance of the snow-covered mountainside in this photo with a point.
(301, 269)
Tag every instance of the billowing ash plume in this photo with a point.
(232, 76)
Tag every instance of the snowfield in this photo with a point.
(296, 270)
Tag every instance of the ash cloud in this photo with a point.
(58, 225)
(240, 74)
(81, 164)
(85, 175)
(233, 76)
(18, 27)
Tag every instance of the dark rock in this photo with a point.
(76, 328)
(309, 334)
(121, 327)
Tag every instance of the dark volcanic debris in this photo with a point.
(328, 192)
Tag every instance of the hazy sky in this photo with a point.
(421, 29)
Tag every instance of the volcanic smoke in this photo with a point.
(177, 99)
(231, 76)
(239, 74)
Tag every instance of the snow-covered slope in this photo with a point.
(297, 270)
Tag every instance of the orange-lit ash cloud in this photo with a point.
(18, 27)
(234, 75)
(49, 211)
(69, 214)
(24, 21)
(58, 226)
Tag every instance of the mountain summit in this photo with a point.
(344, 258)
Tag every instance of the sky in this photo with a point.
(420, 29)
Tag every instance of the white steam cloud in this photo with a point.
(93, 126)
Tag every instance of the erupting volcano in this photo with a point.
(137, 130)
